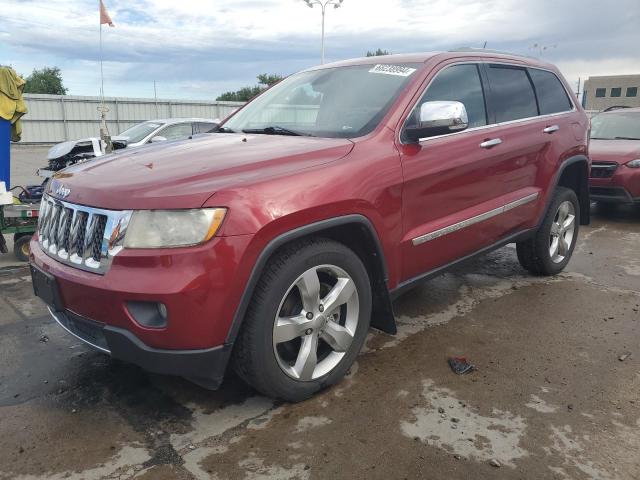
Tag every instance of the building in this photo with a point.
(611, 91)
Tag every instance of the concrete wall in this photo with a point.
(624, 82)
(56, 118)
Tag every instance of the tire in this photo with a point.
(21, 248)
(536, 254)
(282, 327)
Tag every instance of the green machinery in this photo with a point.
(19, 220)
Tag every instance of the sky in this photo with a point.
(198, 49)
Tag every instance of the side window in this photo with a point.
(601, 92)
(459, 83)
(616, 91)
(511, 93)
(205, 127)
(552, 97)
(178, 131)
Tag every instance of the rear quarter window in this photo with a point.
(512, 96)
(552, 96)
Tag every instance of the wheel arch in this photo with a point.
(574, 174)
(356, 232)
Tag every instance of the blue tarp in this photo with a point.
(5, 150)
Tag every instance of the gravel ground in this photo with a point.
(554, 394)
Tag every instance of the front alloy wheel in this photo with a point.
(307, 320)
(316, 322)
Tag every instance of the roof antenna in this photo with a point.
(485, 44)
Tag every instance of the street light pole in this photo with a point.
(542, 48)
(323, 6)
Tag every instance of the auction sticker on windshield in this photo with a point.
(398, 70)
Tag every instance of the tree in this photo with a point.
(378, 52)
(265, 80)
(46, 80)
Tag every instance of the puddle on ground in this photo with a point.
(448, 423)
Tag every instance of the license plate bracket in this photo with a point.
(46, 288)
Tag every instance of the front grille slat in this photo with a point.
(603, 169)
(77, 235)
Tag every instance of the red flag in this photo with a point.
(104, 16)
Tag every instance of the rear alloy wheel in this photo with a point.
(549, 250)
(562, 231)
(307, 321)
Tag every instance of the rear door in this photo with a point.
(533, 111)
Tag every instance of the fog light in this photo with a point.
(162, 310)
(149, 314)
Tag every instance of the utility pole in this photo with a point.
(323, 6)
(155, 96)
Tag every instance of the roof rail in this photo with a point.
(486, 50)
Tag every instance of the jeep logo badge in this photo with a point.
(62, 192)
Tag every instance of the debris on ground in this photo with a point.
(495, 463)
(460, 365)
(623, 357)
(44, 339)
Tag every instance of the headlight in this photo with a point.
(172, 228)
(634, 163)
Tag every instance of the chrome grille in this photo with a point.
(81, 236)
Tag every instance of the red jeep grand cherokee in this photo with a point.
(277, 241)
(615, 148)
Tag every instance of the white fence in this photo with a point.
(56, 118)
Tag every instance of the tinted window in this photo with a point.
(459, 83)
(511, 93)
(552, 97)
(616, 92)
(632, 92)
(601, 92)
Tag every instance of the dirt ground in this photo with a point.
(554, 396)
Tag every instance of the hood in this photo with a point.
(619, 151)
(185, 174)
(59, 150)
(83, 145)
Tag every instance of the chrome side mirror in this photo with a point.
(438, 118)
(158, 138)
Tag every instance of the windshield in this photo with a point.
(616, 126)
(340, 102)
(139, 131)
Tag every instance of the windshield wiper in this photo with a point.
(626, 138)
(223, 130)
(277, 130)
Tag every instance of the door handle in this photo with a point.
(551, 129)
(490, 143)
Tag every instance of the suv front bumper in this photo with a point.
(199, 286)
(205, 367)
(622, 187)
